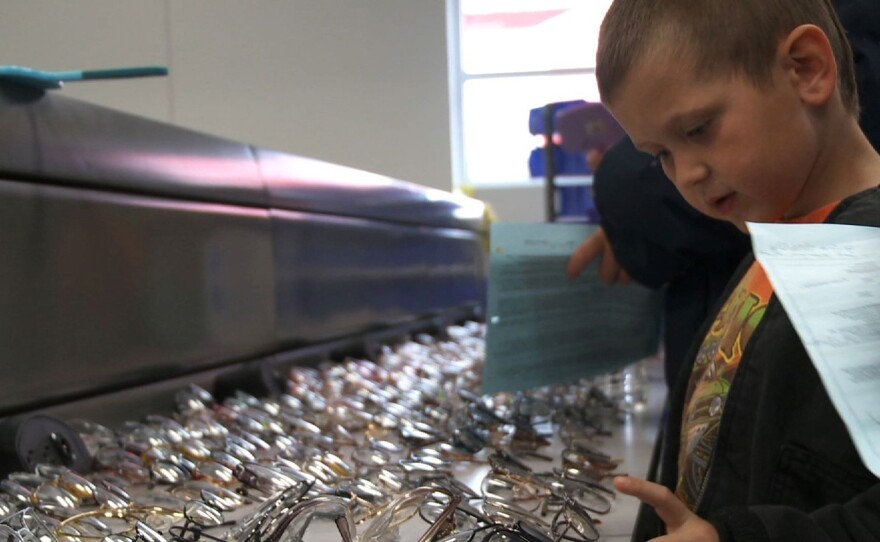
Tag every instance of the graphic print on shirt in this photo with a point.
(713, 372)
(715, 367)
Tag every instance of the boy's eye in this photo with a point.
(696, 131)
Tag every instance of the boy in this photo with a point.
(751, 108)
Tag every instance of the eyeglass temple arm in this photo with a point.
(435, 528)
(345, 529)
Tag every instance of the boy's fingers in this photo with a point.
(672, 511)
(586, 253)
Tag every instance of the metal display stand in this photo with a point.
(553, 181)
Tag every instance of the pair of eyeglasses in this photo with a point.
(573, 522)
(198, 517)
(306, 392)
(212, 471)
(142, 533)
(468, 436)
(27, 525)
(6, 507)
(390, 478)
(111, 490)
(418, 433)
(502, 488)
(369, 459)
(146, 455)
(52, 489)
(496, 532)
(581, 426)
(450, 452)
(321, 516)
(328, 467)
(218, 497)
(427, 462)
(364, 497)
(505, 463)
(135, 522)
(392, 522)
(465, 517)
(269, 513)
(526, 439)
(193, 398)
(167, 465)
(592, 496)
(507, 512)
(266, 479)
(348, 412)
(511, 478)
(587, 456)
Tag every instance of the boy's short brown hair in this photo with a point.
(738, 37)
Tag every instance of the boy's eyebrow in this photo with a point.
(671, 125)
(689, 115)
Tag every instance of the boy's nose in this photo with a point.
(689, 170)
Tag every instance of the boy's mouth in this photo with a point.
(722, 205)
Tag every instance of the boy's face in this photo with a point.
(736, 152)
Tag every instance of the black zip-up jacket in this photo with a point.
(784, 467)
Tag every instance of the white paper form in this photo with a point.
(827, 277)
(546, 329)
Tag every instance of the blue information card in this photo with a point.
(544, 328)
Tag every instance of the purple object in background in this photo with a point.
(589, 126)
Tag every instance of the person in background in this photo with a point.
(861, 21)
(658, 240)
(752, 110)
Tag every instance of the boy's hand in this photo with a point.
(682, 525)
(597, 246)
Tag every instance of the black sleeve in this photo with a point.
(857, 521)
(853, 519)
(656, 235)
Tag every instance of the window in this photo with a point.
(508, 57)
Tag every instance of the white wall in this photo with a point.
(361, 83)
(516, 204)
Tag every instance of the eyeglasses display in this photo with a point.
(360, 446)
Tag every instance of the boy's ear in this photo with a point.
(808, 60)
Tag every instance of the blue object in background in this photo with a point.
(576, 203)
(536, 115)
(45, 79)
(567, 163)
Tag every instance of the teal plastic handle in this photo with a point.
(45, 79)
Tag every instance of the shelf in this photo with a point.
(568, 180)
